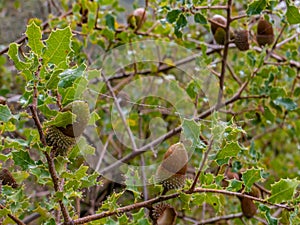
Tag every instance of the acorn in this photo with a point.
(218, 24)
(63, 139)
(6, 178)
(137, 18)
(171, 172)
(241, 40)
(229, 176)
(265, 33)
(249, 208)
(163, 214)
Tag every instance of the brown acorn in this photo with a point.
(137, 18)
(63, 139)
(218, 24)
(6, 178)
(241, 40)
(249, 208)
(171, 172)
(163, 214)
(229, 176)
(265, 33)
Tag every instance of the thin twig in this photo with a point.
(202, 165)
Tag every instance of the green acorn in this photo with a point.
(171, 172)
(163, 214)
(265, 33)
(241, 40)
(63, 139)
(6, 178)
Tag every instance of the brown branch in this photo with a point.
(225, 54)
(172, 196)
(15, 219)
(215, 219)
(192, 188)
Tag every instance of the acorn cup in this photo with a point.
(265, 33)
(171, 172)
(137, 18)
(218, 23)
(249, 208)
(163, 214)
(229, 176)
(62, 139)
(241, 40)
(6, 178)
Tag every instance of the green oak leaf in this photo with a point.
(5, 114)
(58, 46)
(283, 190)
(34, 35)
(256, 7)
(229, 150)
(293, 15)
(250, 177)
(62, 119)
(14, 55)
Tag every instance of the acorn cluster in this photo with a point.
(264, 34)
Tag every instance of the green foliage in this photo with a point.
(165, 78)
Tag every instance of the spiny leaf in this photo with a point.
(62, 119)
(230, 150)
(256, 7)
(283, 190)
(250, 177)
(22, 159)
(70, 75)
(5, 113)
(34, 35)
(293, 15)
(14, 55)
(58, 46)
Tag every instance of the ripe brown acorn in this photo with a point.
(265, 33)
(249, 208)
(171, 172)
(163, 214)
(137, 18)
(6, 178)
(229, 176)
(63, 138)
(241, 40)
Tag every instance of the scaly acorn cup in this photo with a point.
(171, 172)
(265, 33)
(63, 138)
(241, 40)
(163, 214)
(6, 178)
(249, 208)
(137, 18)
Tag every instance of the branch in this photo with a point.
(172, 196)
(225, 53)
(17, 220)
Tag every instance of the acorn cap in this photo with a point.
(60, 142)
(218, 19)
(241, 40)
(137, 18)
(163, 214)
(6, 178)
(265, 33)
(171, 172)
